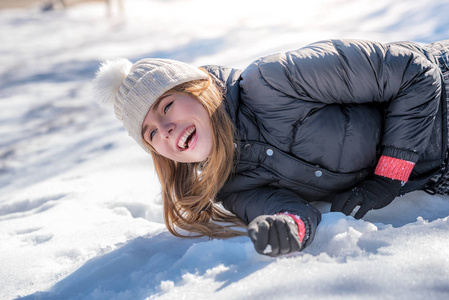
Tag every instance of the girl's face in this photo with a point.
(179, 128)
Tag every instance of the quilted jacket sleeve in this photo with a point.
(247, 204)
(356, 72)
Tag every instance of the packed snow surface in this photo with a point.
(80, 205)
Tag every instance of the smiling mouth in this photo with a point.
(187, 138)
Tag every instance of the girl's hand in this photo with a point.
(275, 235)
(370, 194)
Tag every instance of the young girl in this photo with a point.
(351, 122)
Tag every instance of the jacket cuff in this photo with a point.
(299, 223)
(394, 168)
(401, 154)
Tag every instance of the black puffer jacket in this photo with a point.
(313, 122)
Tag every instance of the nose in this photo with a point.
(166, 130)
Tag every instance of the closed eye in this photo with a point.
(152, 133)
(167, 107)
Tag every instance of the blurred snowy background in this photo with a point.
(80, 206)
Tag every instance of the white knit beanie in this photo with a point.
(132, 89)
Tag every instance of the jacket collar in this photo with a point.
(228, 79)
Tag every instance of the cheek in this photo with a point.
(158, 147)
(203, 115)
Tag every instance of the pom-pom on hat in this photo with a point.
(132, 89)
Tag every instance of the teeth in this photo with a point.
(183, 139)
(191, 142)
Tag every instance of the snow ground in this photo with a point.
(80, 209)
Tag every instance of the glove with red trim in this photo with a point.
(275, 235)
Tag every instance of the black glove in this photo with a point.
(373, 193)
(278, 231)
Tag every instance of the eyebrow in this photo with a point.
(158, 101)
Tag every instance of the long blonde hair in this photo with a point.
(189, 189)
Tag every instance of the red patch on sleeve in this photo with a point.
(394, 168)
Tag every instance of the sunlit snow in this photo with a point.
(80, 206)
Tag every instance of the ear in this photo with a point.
(109, 78)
